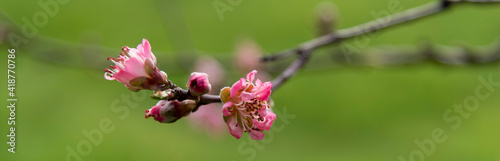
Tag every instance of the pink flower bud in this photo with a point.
(207, 118)
(170, 111)
(136, 69)
(198, 84)
(246, 107)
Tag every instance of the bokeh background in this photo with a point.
(341, 112)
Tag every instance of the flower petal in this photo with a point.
(251, 75)
(146, 50)
(236, 87)
(256, 135)
(235, 128)
(124, 77)
(136, 67)
(245, 96)
(264, 91)
(267, 123)
(224, 94)
(225, 110)
(258, 83)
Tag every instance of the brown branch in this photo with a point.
(440, 54)
(291, 70)
(173, 92)
(305, 49)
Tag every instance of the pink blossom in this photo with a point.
(136, 68)
(247, 56)
(246, 107)
(198, 84)
(170, 111)
(207, 118)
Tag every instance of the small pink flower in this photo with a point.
(170, 111)
(207, 118)
(246, 107)
(247, 55)
(198, 84)
(136, 68)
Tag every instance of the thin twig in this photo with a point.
(440, 54)
(291, 70)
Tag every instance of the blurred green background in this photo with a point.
(341, 113)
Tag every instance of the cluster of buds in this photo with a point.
(171, 109)
(245, 108)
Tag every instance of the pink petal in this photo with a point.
(269, 120)
(264, 91)
(263, 112)
(235, 128)
(140, 50)
(251, 75)
(267, 123)
(245, 96)
(146, 50)
(124, 77)
(136, 67)
(236, 87)
(256, 135)
(258, 83)
(225, 111)
(135, 53)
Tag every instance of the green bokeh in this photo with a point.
(347, 113)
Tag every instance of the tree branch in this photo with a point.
(305, 49)
(440, 54)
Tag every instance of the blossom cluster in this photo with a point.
(246, 104)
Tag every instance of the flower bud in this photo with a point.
(327, 13)
(198, 84)
(170, 111)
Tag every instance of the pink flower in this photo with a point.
(246, 107)
(207, 118)
(198, 84)
(247, 55)
(136, 68)
(170, 111)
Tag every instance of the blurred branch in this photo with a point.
(305, 49)
(401, 55)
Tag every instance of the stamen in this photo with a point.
(119, 64)
(110, 71)
(125, 49)
(111, 58)
(148, 114)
